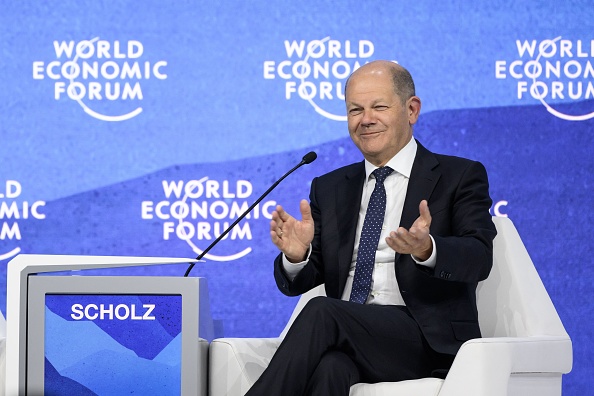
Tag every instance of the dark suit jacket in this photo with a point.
(442, 300)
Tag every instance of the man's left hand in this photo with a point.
(416, 240)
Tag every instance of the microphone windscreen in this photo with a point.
(309, 157)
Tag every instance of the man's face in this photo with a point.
(379, 123)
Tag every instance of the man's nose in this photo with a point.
(368, 118)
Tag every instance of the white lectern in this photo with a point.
(104, 334)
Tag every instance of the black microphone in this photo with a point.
(307, 159)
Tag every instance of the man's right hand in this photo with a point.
(291, 236)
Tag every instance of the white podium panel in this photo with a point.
(105, 335)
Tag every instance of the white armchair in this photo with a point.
(2, 354)
(525, 349)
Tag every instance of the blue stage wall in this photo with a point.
(116, 117)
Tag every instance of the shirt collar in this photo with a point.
(402, 162)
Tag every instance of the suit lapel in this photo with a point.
(348, 202)
(423, 178)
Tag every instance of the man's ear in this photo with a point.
(414, 109)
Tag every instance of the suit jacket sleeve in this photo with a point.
(312, 274)
(463, 230)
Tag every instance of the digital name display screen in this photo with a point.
(97, 344)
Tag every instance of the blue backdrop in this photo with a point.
(132, 128)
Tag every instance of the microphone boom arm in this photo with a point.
(309, 157)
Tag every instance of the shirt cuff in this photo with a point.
(292, 269)
(432, 260)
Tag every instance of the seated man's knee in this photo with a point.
(322, 311)
(319, 305)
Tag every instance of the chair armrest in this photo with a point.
(236, 363)
(484, 366)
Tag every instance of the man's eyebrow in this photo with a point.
(375, 102)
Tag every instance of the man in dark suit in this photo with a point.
(400, 242)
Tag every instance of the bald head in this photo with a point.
(403, 83)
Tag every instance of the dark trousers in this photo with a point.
(334, 344)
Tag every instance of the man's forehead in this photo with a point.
(370, 87)
(375, 72)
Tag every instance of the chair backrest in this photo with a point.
(512, 301)
(2, 326)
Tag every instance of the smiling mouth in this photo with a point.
(369, 133)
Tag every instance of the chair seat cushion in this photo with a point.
(240, 361)
(419, 387)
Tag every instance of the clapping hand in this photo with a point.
(291, 236)
(416, 240)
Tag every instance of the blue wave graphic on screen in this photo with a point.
(130, 375)
(82, 353)
(83, 339)
(59, 385)
(170, 354)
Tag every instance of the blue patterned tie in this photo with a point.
(370, 234)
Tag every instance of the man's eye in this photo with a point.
(355, 111)
(381, 107)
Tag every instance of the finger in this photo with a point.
(282, 214)
(418, 230)
(276, 240)
(406, 238)
(276, 221)
(275, 216)
(425, 212)
(397, 243)
(305, 210)
(401, 237)
(274, 227)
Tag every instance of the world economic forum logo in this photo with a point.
(315, 71)
(552, 72)
(199, 211)
(13, 212)
(104, 77)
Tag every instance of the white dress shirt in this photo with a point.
(384, 287)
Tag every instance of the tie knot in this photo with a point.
(381, 173)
